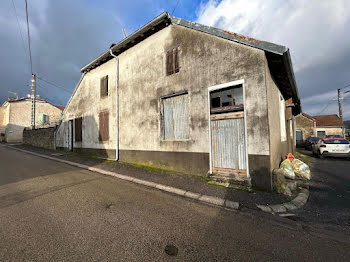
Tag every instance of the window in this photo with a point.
(175, 117)
(321, 133)
(172, 61)
(78, 129)
(104, 86)
(103, 126)
(282, 119)
(43, 119)
(228, 99)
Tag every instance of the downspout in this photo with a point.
(117, 106)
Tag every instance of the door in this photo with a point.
(227, 129)
(70, 135)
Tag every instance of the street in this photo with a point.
(55, 212)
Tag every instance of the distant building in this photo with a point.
(305, 127)
(15, 115)
(329, 125)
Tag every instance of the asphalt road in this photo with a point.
(50, 211)
(329, 201)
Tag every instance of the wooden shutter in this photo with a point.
(169, 62)
(103, 126)
(78, 129)
(104, 86)
(176, 60)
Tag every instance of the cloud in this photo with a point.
(317, 33)
(65, 35)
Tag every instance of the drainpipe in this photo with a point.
(117, 107)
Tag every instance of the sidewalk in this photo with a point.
(168, 178)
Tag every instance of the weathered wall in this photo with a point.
(20, 117)
(205, 61)
(42, 137)
(306, 125)
(86, 103)
(278, 148)
(331, 130)
(3, 120)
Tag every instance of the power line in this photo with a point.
(30, 51)
(53, 84)
(175, 7)
(19, 27)
(326, 106)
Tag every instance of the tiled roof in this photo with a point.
(59, 107)
(328, 120)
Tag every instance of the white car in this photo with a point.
(336, 147)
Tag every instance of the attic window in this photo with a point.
(104, 86)
(172, 61)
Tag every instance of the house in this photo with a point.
(187, 97)
(329, 125)
(347, 129)
(15, 115)
(305, 127)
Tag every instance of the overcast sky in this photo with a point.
(66, 35)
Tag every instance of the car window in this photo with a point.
(336, 141)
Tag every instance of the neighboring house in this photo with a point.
(15, 115)
(329, 125)
(187, 97)
(347, 129)
(305, 127)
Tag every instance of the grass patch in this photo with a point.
(145, 166)
(305, 156)
(248, 190)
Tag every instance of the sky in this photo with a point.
(66, 35)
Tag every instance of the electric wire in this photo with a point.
(30, 51)
(53, 84)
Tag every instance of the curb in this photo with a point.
(187, 194)
(299, 201)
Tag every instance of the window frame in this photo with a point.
(231, 108)
(162, 122)
(172, 67)
(104, 88)
(282, 115)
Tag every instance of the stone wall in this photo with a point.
(306, 125)
(42, 137)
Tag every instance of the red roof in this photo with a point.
(59, 107)
(328, 120)
(308, 116)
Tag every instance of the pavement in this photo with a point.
(329, 195)
(194, 184)
(52, 211)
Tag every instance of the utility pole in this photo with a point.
(33, 101)
(339, 105)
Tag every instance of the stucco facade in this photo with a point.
(331, 130)
(141, 81)
(16, 115)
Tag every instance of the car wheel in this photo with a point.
(320, 156)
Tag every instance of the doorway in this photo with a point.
(228, 153)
